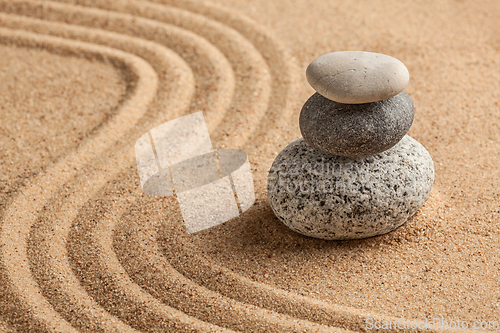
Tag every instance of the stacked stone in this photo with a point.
(355, 173)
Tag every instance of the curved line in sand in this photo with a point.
(52, 245)
(274, 112)
(19, 216)
(102, 263)
(158, 10)
(277, 62)
(64, 237)
(251, 69)
(284, 72)
(212, 72)
(110, 284)
(65, 282)
(53, 255)
(160, 279)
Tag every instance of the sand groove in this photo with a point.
(21, 213)
(159, 278)
(219, 279)
(251, 70)
(57, 250)
(284, 72)
(104, 277)
(278, 62)
(212, 73)
(100, 261)
(166, 61)
(55, 258)
(93, 263)
(52, 245)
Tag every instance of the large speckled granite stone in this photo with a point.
(357, 77)
(334, 197)
(355, 129)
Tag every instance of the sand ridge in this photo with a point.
(82, 249)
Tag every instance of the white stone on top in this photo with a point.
(355, 77)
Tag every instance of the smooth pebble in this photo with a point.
(355, 129)
(356, 77)
(336, 198)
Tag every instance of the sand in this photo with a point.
(83, 249)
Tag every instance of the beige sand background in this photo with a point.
(81, 247)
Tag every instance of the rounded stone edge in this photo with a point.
(356, 151)
(313, 78)
(425, 197)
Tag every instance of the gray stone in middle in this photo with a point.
(355, 130)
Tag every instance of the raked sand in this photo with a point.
(83, 249)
